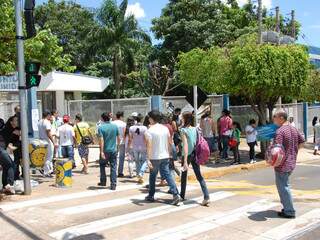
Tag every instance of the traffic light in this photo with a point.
(32, 74)
(29, 18)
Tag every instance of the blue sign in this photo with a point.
(267, 132)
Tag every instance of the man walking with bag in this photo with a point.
(291, 140)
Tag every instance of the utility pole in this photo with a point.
(278, 19)
(22, 97)
(260, 21)
(293, 25)
(195, 104)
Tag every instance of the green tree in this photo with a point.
(260, 73)
(71, 23)
(44, 47)
(115, 38)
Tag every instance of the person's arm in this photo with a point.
(185, 151)
(130, 138)
(201, 123)
(301, 141)
(101, 146)
(213, 127)
(170, 141)
(174, 126)
(149, 150)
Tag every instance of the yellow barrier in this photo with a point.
(63, 173)
(37, 153)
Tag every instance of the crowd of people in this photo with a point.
(155, 142)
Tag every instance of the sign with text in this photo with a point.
(9, 83)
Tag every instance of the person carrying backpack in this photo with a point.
(189, 135)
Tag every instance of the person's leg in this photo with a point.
(184, 176)
(144, 164)
(17, 157)
(225, 140)
(8, 168)
(164, 169)
(47, 168)
(153, 177)
(137, 158)
(122, 155)
(283, 186)
(252, 152)
(238, 153)
(197, 172)
(64, 152)
(113, 170)
(103, 176)
(70, 153)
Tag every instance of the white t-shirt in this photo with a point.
(158, 134)
(252, 136)
(66, 135)
(44, 125)
(121, 126)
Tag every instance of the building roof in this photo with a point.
(70, 82)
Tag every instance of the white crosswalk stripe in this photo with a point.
(107, 204)
(200, 226)
(293, 228)
(60, 198)
(108, 223)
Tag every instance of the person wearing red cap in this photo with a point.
(66, 137)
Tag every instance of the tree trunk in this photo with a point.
(116, 75)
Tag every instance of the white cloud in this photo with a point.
(136, 10)
(265, 3)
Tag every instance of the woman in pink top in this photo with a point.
(225, 126)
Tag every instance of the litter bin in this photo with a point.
(37, 152)
(63, 172)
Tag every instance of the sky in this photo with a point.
(307, 13)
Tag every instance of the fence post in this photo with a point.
(156, 103)
(226, 102)
(305, 120)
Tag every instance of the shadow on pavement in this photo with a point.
(91, 236)
(263, 216)
(20, 227)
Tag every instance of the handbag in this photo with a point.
(85, 140)
(232, 141)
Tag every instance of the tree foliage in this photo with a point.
(260, 73)
(70, 23)
(115, 38)
(44, 47)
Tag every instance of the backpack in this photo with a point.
(202, 150)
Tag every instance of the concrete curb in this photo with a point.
(219, 172)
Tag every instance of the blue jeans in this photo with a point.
(225, 146)
(8, 167)
(140, 158)
(163, 166)
(112, 159)
(211, 143)
(122, 155)
(197, 172)
(283, 186)
(67, 152)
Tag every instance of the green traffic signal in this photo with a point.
(32, 80)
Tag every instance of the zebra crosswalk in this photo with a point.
(123, 214)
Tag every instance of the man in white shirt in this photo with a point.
(122, 147)
(159, 148)
(44, 127)
(66, 137)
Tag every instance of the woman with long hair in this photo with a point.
(139, 147)
(128, 147)
(189, 135)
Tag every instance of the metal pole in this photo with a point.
(277, 19)
(195, 104)
(293, 25)
(22, 98)
(260, 21)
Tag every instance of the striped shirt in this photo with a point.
(289, 138)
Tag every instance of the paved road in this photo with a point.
(243, 207)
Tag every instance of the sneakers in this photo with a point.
(120, 175)
(140, 180)
(253, 161)
(101, 184)
(149, 199)
(176, 200)
(9, 190)
(113, 187)
(205, 203)
(283, 215)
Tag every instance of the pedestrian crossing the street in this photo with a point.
(104, 214)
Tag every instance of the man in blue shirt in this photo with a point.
(109, 139)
